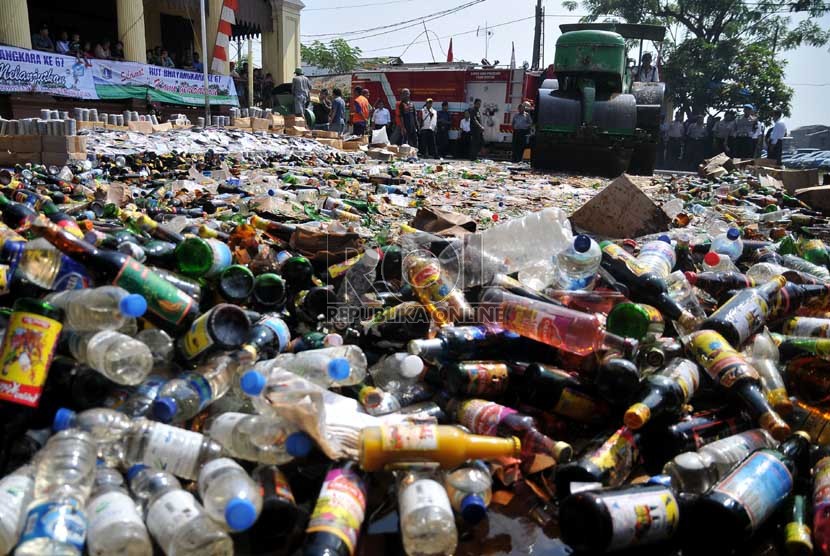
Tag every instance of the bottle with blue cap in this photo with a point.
(177, 522)
(260, 438)
(107, 426)
(427, 522)
(15, 494)
(729, 244)
(279, 387)
(578, 264)
(339, 365)
(183, 397)
(230, 496)
(56, 522)
(118, 357)
(658, 256)
(179, 451)
(469, 488)
(114, 524)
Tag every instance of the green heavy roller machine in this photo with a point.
(592, 117)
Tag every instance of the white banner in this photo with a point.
(45, 72)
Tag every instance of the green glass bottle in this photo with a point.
(198, 257)
(235, 283)
(636, 320)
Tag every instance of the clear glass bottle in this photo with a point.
(230, 496)
(114, 524)
(426, 519)
(140, 401)
(182, 398)
(696, 472)
(763, 355)
(260, 438)
(101, 308)
(469, 488)
(56, 522)
(120, 358)
(179, 451)
(16, 491)
(177, 522)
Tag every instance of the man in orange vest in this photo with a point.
(360, 112)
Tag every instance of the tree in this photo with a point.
(722, 54)
(337, 56)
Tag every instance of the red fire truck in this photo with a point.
(501, 90)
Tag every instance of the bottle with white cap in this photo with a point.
(177, 522)
(261, 438)
(118, 357)
(696, 472)
(182, 398)
(15, 493)
(396, 369)
(114, 524)
(101, 308)
(469, 488)
(427, 521)
(230, 496)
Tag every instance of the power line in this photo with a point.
(358, 6)
(398, 25)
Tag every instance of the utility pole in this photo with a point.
(537, 37)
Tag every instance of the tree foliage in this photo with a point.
(722, 54)
(337, 56)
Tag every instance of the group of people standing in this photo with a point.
(685, 144)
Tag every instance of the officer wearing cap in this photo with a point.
(722, 131)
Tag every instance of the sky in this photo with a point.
(805, 72)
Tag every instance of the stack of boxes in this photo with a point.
(52, 141)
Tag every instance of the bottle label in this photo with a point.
(640, 518)
(282, 488)
(821, 481)
(222, 257)
(173, 449)
(280, 329)
(485, 378)
(409, 438)
(807, 326)
(28, 348)
(618, 253)
(747, 311)
(617, 455)
(15, 492)
(482, 417)
(111, 508)
(759, 483)
(163, 298)
(59, 522)
(340, 507)
(169, 514)
(423, 493)
(198, 382)
(686, 375)
(578, 406)
(720, 360)
(197, 340)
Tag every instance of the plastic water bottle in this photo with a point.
(345, 365)
(101, 308)
(16, 490)
(728, 244)
(764, 272)
(179, 451)
(184, 397)
(56, 522)
(658, 256)
(578, 264)
(427, 521)
(264, 439)
(118, 357)
(230, 496)
(105, 425)
(177, 522)
(280, 387)
(520, 242)
(161, 345)
(469, 488)
(114, 524)
(802, 265)
(396, 369)
(715, 262)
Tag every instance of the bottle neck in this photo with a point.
(488, 447)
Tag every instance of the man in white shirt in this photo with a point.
(775, 147)
(381, 116)
(429, 123)
(674, 141)
(464, 140)
(646, 72)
